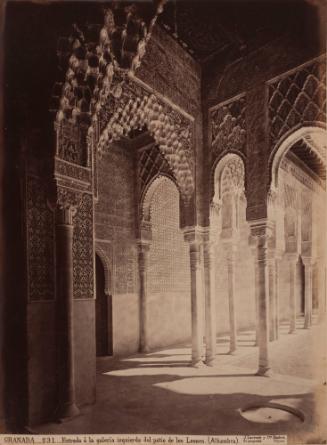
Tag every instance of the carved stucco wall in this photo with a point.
(302, 202)
(171, 71)
(115, 233)
(231, 223)
(40, 248)
(40, 237)
(258, 81)
(169, 271)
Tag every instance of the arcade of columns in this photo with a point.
(102, 102)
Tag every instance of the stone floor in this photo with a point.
(159, 393)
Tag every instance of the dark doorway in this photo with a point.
(103, 313)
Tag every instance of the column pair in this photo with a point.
(308, 267)
(202, 308)
(292, 262)
(230, 256)
(273, 290)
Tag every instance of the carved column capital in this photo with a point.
(195, 234)
(145, 235)
(307, 261)
(143, 246)
(65, 202)
(261, 233)
(215, 206)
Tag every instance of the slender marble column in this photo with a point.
(322, 293)
(64, 266)
(307, 261)
(196, 298)
(292, 302)
(143, 254)
(277, 266)
(231, 299)
(272, 298)
(256, 303)
(261, 231)
(210, 302)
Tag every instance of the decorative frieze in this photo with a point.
(70, 170)
(292, 169)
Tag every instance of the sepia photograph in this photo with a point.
(163, 222)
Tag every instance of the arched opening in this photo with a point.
(299, 187)
(103, 313)
(168, 278)
(234, 265)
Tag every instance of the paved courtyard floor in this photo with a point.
(159, 393)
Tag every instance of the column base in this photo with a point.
(211, 361)
(264, 371)
(307, 324)
(67, 412)
(232, 349)
(197, 363)
(144, 350)
(292, 331)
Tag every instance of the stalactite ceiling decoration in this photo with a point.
(96, 54)
(98, 91)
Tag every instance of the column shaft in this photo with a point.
(143, 254)
(292, 301)
(196, 304)
(263, 305)
(307, 293)
(277, 298)
(231, 302)
(210, 304)
(256, 303)
(272, 300)
(64, 252)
